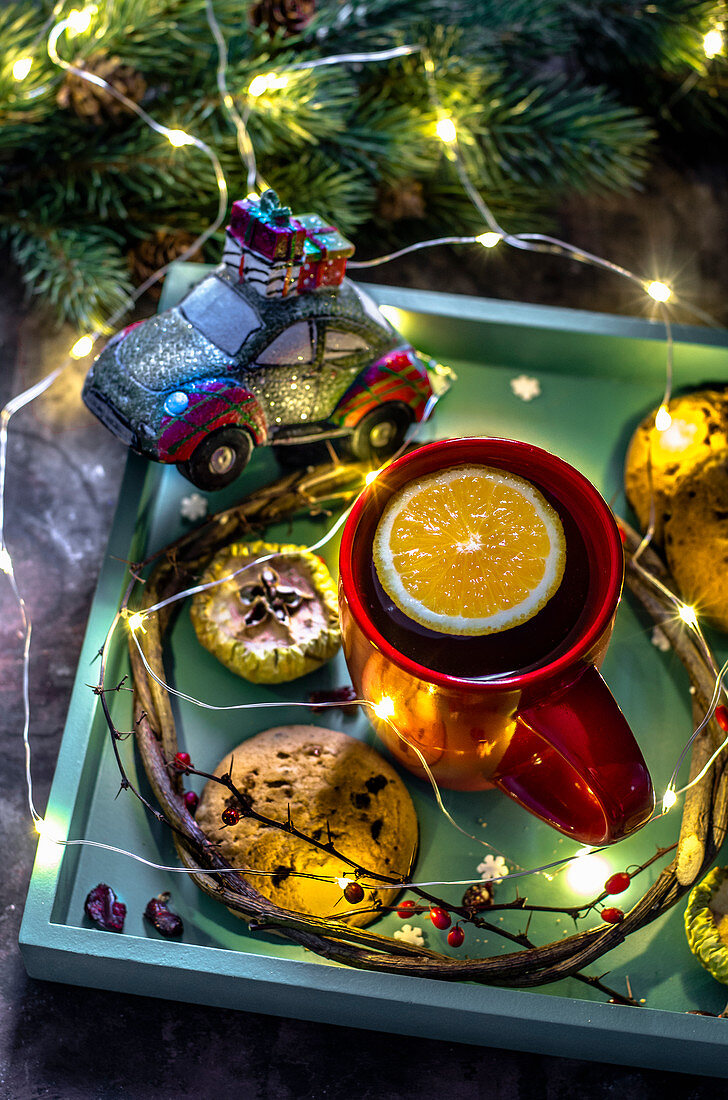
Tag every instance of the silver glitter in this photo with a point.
(167, 351)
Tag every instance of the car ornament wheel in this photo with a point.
(222, 459)
(381, 431)
(219, 458)
(382, 434)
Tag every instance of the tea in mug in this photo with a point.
(475, 573)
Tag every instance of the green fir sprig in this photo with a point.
(551, 97)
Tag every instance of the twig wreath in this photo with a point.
(178, 567)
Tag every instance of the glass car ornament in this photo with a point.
(275, 346)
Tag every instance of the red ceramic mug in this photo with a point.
(529, 713)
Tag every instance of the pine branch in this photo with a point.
(557, 137)
(314, 106)
(667, 35)
(511, 72)
(342, 197)
(80, 273)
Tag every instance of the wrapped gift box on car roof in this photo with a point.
(325, 252)
(278, 254)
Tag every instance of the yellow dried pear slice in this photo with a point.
(705, 923)
(270, 620)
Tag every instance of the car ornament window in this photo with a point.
(293, 347)
(340, 344)
(220, 314)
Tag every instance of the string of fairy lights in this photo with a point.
(79, 21)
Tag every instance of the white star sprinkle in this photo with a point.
(492, 867)
(410, 933)
(660, 640)
(526, 387)
(193, 507)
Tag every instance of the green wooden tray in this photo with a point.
(598, 376)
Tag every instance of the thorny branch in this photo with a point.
(176, 568)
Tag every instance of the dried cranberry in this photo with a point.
(456, 936)
(182, 761)
(166, 922)
(191, 800)
(104, 910)
(618, 883)
(440, 917)
(353, 892)
(612, 915)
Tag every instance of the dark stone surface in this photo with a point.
(63, 1042)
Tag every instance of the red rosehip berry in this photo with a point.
(456, 936)
(612, 915)
(231, 815)
(721, 717)
(440, 917)
(406, 909)
(182, 761)
(353, 892)
(618, 883)
(191, 800)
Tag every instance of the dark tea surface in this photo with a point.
(550, 633)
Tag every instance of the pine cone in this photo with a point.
(290, 16)
(403, 199)
(94, 104)
(156, 251)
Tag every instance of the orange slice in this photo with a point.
(469, 550)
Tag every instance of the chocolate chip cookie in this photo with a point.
(329, 782)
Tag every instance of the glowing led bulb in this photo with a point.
(669, 800)
(663, 420)
(6, 562)
(136, 622)
(80, 21)
(43, 829)
(258, 85)
(587, 873)
(267, 82)
(688, 615)
(489, 240)
(343, 882)
(21, 68)
(384, 708)
(371, 476)
(446, 131)
(82, 347)
(713, 43)
(178, 138)
(661, 292)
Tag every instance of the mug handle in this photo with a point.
(574, 762)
